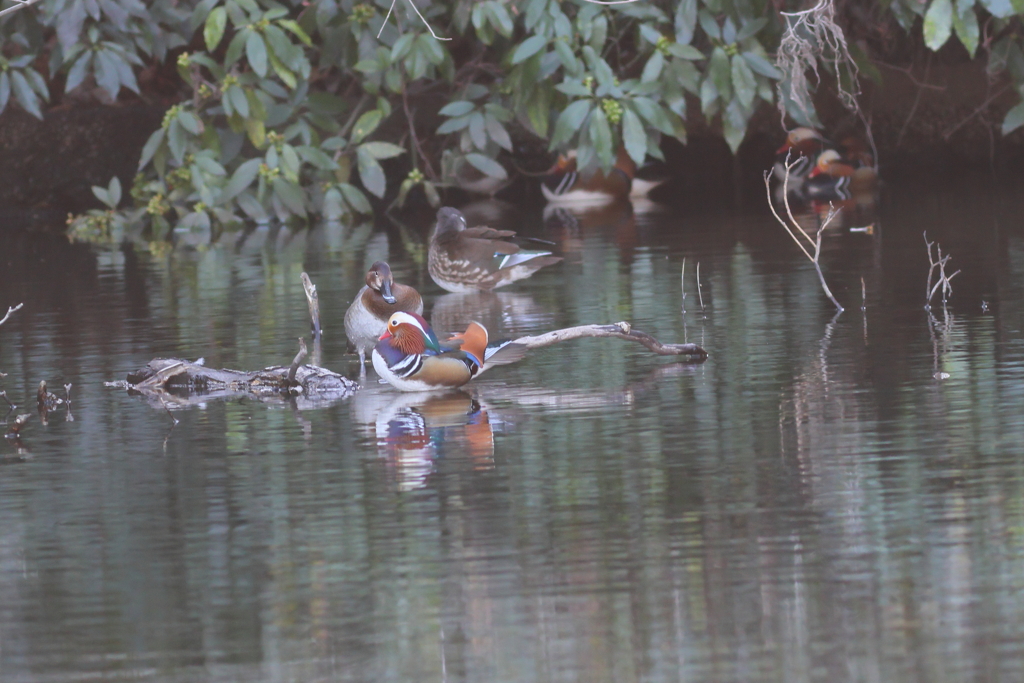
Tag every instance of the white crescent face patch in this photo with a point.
(403, 318)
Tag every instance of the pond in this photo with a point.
(824, 499)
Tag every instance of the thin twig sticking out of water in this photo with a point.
(682, 279)
(939, 261)
(799, 231)
(699, 294)
(10, 310)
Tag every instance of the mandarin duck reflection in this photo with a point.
(462, 259)
(367, 317)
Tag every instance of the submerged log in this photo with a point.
(180, 382)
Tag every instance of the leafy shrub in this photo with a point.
(285, 106)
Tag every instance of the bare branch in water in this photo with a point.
(620, 330)
(296, 362)
(938, 262)
(789, 227)
(700, 295)
(10, 310)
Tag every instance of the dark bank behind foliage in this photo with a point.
(296, 109)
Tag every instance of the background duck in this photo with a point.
(834, 176)
(367, 317)
(801, 148)
(462, 259)
(410, 358)
(565, 184)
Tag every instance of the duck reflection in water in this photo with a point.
(567, 225)
(414, 431)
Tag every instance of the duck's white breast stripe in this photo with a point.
(408, 366)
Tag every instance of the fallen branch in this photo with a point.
(10, 310)
(621, 330)
(832, 213)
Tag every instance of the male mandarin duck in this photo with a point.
(834, 177)
(801, 147)
(369, 313)
(565, 184)
(462, 259)
(410, 358)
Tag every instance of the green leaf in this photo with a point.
(114, 192)
(573, 88)
(965, 22)
(176, 140)
(1014, 119)
(762, 65)
(529, 48)
(256, 53)
(570, 121)
(370, 172)
(487, 165)
(750, 29)
(294, 27)
(356, 199)
(291, 195)
(101, 194)
(239, 102)
(565, 54)
(653, 67)
(634, 138)
(685, 21)
(213, 31)
(452, 125)
(685, 51)
(290, 163)
(317, 157)
(601, 136)
(210, 166)
(709, 24)
(999, 8)
(402, 47)
(26, 97)
(500, 18)
(938, 23)
(78, 72)
(497, 132)
(190, 122)
(152, 144)
(476, 130)
(382, 150)
(5, 90)
(458, 108)
(743, 81)
(720, 73)
(241, 179)
(366, 124)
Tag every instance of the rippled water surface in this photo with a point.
(822, 500)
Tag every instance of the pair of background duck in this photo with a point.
(387, 317)
(820, 170)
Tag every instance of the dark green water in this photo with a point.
(811, 504)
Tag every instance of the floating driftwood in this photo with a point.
(177, 383)
(619, 330)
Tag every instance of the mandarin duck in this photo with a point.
(367, 317)
(801, 147)
(410, 358)
(835, 177)
(565, 184)
(462, 259)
